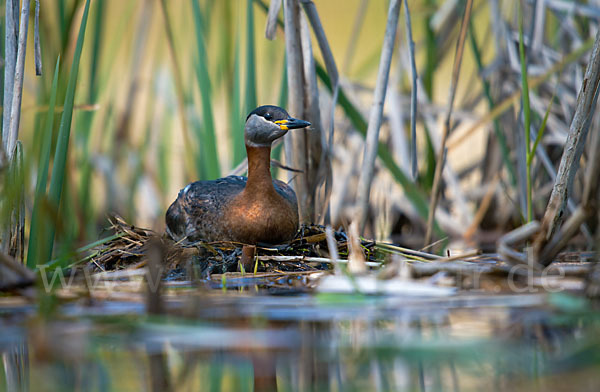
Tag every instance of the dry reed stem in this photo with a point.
(514, 237)
(591, 186)
(398, 136)
(10, 59)
(569, 163)
(12, 235)
(314, 140)
(308, 259)
(587, 208)
(371, 145)
(408, 251)
(483, 207)
(331, 244)
(429, 111)
(574, 8)
(561, 238)
(462, 256)
(13, 274)
(413, 96)
(332, 71)
(271, 27)
(155, 256)
(294, 142)
(356, 257)
(315, 22)
(539, 19)
(460, 45)
(17, 89)
(324, 169)
(548, 165)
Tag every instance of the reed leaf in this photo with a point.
(225, 31)
(430, 51)
(2, 35)
(86, 123)
(428, 80)
(61, 12)
(526, 115)
(283, 90)
(282, 100)
(69, 257)
(62, 144)
(163, 158)
(208, 140)
(236, 130)
(250, 93)
(33, 250)
(540, 133)
(96, 44)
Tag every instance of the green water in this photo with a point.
(244, 342)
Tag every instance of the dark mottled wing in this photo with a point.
(199, 206)
(286, 192)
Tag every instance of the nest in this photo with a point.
(129, 246)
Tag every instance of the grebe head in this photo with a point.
(267, 123)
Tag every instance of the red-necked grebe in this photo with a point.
(256, 209)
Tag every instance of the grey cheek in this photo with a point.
(279, 133)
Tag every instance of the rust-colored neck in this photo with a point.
(259, 169)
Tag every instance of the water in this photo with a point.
(244, 340)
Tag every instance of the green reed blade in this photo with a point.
(210, 157)
(64, 258)
(250, 94)
(64, 131)
(224, 34)
(431, 62)
(283, 90)
(62, 21)
(430, 50)
(235, 121)
(540, 133)
(2, 35)
(164, 157)
(282, 101)
(86, 123)
(526, 115)
(33, 250)
(96, 44)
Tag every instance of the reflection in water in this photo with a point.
(245, 343)
(16, 367)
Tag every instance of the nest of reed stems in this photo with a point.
(306, 252)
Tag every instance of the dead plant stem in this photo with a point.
(460, 45)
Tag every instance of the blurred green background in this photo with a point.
(164, 87)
